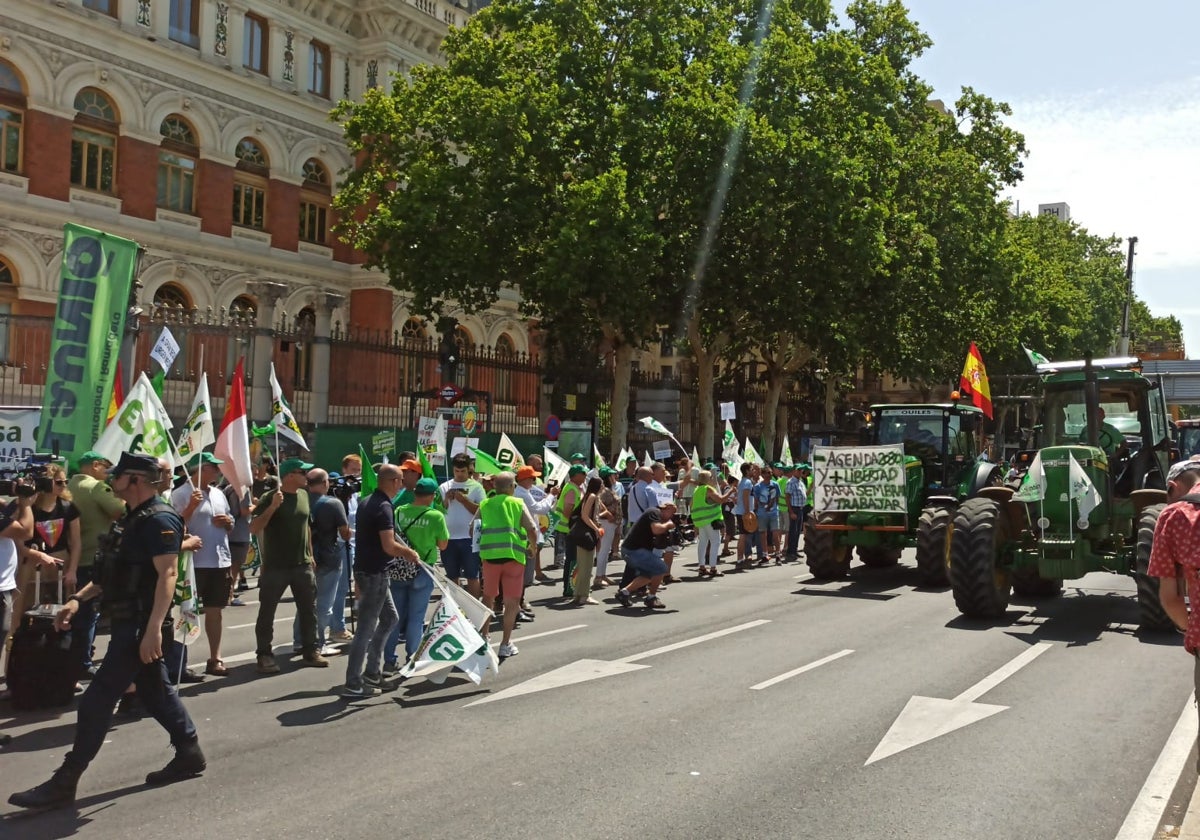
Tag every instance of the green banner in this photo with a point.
(93, 297)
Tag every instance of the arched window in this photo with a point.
(174, 303)
(8, 293)
(172, 295)
(505, 355)
(244, 307)
(12, 112)
(306, 326)
(94, 141)
(314, 203)
(177, 158)
(413, 335)
(250, 185)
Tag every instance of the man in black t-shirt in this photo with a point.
(639, 551)
(137, 586)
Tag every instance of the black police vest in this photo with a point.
(129, 580)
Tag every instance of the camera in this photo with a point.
(27, 477)
(345, 487)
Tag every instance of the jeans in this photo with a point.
(337, 621)
(327, 586)
(411, 598)
(86, 618)
(376, 617)
(605, 548)
(271, 584)
(122, 666)
(793, 535)
(569, 566)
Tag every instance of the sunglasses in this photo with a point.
(60, 482)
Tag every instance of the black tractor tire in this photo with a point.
(1028, 583)
(934, 529)
(828, 559)
(981, 585)
(1151, 615)
(878, 557)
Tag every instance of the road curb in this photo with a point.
(1189, 829)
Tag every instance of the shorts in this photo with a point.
(238, 552)
(645, 561)
(510, 575)
(6, 607)
(459, 561)
(728, 524)
(768, 522)
(740, 522)
(214, 586)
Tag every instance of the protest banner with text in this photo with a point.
(858, 478)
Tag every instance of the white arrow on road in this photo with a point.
(593, 669)
(926, 718)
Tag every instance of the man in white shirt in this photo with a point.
(665, 496)
(205, 510)
(16, 526)
(462, 496)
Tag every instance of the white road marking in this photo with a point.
(247, 657)
(547, 633)
(584, 670)
(926, 718)
(798, 671)
(252, 623)
(1143, 818)
(695, 641)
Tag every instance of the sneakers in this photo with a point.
(329, 650)
(59, 792)
(653, 603)
(314, 660)
(391, 669)
(625, 598)
(237, 602)
(188, 762)
(524, 616)
(373, 680)
(341, 636)
(356, 692)
(507, 650)
(267, 664)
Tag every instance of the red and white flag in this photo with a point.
(233, 441)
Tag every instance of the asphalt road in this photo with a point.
(616, 723)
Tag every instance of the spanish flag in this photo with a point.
(974, 381)
(118, 395)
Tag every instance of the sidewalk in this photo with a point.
(1190, 829)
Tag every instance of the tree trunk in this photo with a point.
(781, 425)
(705, 355)
(622, 375)
(831, 388)
(775, 380)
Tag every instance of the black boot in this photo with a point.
(59, 792)
(188, 762)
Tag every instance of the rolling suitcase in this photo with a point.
(42, 664)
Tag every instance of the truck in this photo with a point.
(942, 467)
(1089, 500)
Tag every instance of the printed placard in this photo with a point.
(859, 478)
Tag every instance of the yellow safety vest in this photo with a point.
(563, 524)
(704, 512)
(501, 535)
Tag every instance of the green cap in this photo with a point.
(605, 471)
(578, 456)
(91, 456)
(577, 469)
(204, 458)
(777, 465)
(804, 465)
(291, 465)
(710, 466)
(425, 487)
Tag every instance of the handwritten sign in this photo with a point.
(859, 478)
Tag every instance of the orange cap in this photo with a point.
(412, 466)
(526, 472)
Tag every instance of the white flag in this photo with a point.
(141, 425)
(647, 462)
(555, 469)
(751, 454)
(1033, 486)
(507, 454)
(1083, 491)
(233, 441)
(695, 457)
(785, 453)
(165, 349)
(730, 446)
(197, 431)
(623, 456)
(598, 459)
(451, 638)
(654, 426)
(439, 440)
(281, 414)
(187, 625)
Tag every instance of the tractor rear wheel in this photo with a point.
(878, 557)
(933, 545)
(1151, 615)
(981, 584)
(828, 559)
(1029, 584)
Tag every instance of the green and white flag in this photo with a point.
(785, 453)
(282, 416)
(507, 454)
(654, 426)
(1033, 486)
(597, 459)
(751, 454)
(187, 625)
(197, 431)
(730, 446)
(1035, 358)
(555, 468)
(1082, 491)
(141, 426)
(452, 637)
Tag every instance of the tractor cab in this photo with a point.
(1187, 438)
(942, 435)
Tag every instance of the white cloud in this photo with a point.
(1127, 162)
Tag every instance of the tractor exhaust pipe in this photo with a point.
(1091, 396)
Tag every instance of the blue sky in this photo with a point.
(1107, 95)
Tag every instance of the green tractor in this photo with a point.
(1089, 500)
(942, 468)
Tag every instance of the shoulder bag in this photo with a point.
(398, 569)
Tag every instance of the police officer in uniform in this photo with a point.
(136, 582)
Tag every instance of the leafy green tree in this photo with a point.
(1149, 332)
